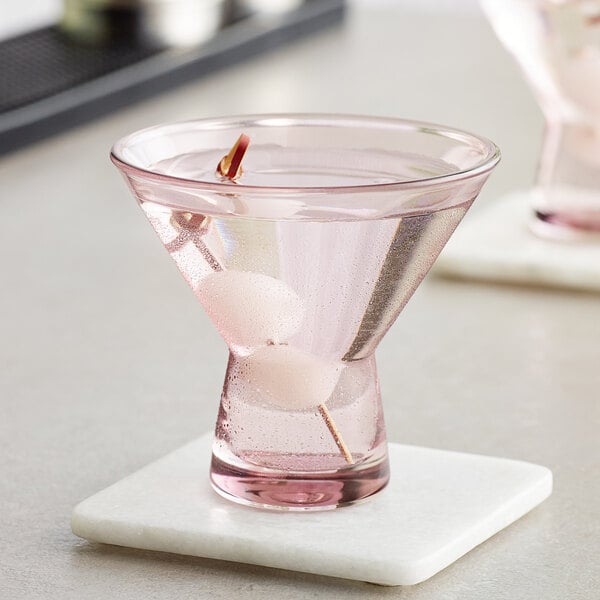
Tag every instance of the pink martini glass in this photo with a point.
(557, 45)
(302, 265)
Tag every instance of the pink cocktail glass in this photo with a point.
(557, 44)
(302, 265)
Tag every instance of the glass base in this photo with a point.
(299, 491)
(554, 226)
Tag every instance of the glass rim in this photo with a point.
(487, 163)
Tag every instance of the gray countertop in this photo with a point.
(107, 362)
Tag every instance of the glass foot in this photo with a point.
(299, 491)
(558, 227)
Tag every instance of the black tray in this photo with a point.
(49, 84)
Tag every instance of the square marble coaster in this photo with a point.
(496, 244)
(437, 506)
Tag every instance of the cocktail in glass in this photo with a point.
(302, 264)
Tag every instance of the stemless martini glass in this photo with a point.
(557, 45)
(302, 265)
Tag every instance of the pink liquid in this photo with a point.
(302, 306)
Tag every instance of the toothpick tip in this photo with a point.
(230, 165)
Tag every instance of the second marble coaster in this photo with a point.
(495, 244)
(437, 506)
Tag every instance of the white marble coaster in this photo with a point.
(438, 506)
(495, 244)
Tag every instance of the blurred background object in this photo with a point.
(160, 23)
(557, 45)
(105, 54)
(19, 17)
(270, 6)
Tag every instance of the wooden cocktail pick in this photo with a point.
(337, 438)
(192, 228)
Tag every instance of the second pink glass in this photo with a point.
(557, 44)
(302, 266)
